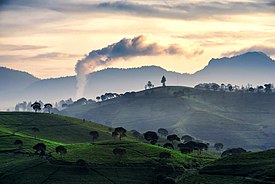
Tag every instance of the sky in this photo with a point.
(48, 38)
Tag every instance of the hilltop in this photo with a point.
(234, 118)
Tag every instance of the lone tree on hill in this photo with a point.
(94, 135)
(61, 150)
(19, 143)
(218, 146)
(119, 151)
(163, 132)
(151, 136)
(40, 148)
(35, 130)
(119, 131)
(173, 138)
(163, 80)
(48, 106)
(36, 106)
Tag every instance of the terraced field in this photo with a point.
(140, 165)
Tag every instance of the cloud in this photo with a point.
(10, 47)
(8, 58)
(158, 9)
(256, 48)
(125, 49)
(187, 10)
(52, 56)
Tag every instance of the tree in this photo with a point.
(185, 148)
(230, 87)
(94, 135)
(98, 98)
(164, 155)
(268, 88)
(36, 106)
(215, 87)
(163, 132)
(190, 145)
(260, 89)
(114, 135)
(218, 146)
(201, 146)
(40, 148)
(61, 150)
(151, 136)
(149, 85)
(168, 145)
(19, 143)
(103, 97)
(187, 138)
(173, 138)
(119, 131)
(163, 80)
(48, 106)
(251, 90)
(119, 151)
(35, 130)
(233, 151)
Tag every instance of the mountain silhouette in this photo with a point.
(252, 67)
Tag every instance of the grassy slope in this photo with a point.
(259, 165)
(236, 119)
(135, 167)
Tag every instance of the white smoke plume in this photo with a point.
(124, 49)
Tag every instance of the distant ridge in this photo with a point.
(252, 67)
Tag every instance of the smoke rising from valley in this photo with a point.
(124, 49)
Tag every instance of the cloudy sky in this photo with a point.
(47, 38)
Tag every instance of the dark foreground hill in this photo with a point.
(235, 119)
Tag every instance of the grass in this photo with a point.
(259, 165)
(235, 119)
(134, 167)
(140, 165)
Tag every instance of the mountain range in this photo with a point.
(16, 86)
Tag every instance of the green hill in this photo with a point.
(20, 165)
(235, 119)
(258, 166)
(140, 165)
